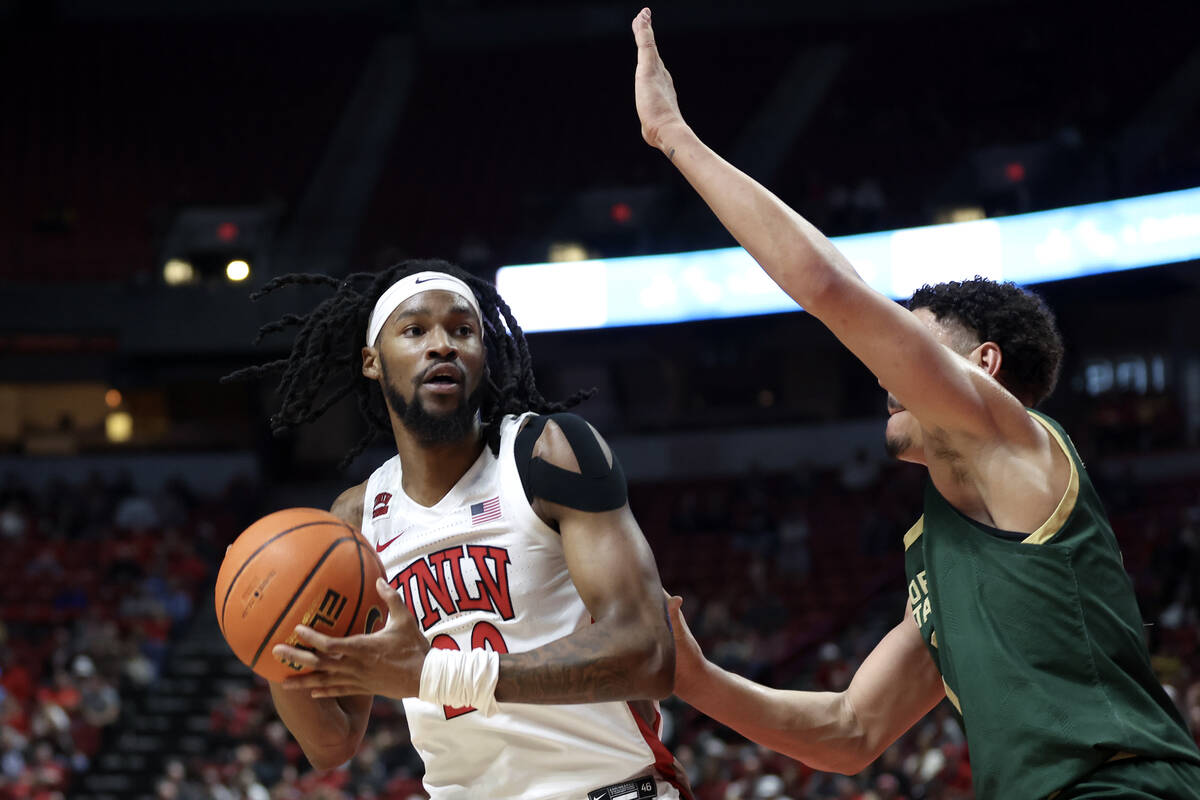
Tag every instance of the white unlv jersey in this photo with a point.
(480, 569)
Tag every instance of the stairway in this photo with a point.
(170, 719)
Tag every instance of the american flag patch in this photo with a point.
(486, 511)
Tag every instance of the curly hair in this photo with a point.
(1017, 320)
(325, 359)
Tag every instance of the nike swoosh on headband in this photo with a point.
(406, 287)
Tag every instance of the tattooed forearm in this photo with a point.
(596, 664)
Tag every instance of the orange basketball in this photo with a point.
(296, 566)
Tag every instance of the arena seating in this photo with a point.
(103, 168)
(116, 682)
(98, 584)
(126, 124)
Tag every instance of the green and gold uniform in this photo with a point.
(1039, 641)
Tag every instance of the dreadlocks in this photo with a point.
(325, 360)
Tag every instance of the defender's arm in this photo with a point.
(843, 732)
(938, 387)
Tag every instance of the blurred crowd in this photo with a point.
(254, 757)
(790, 579)
(97, 579)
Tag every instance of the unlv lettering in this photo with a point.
(497, 585)
(439, 593)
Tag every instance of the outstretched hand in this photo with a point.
(653, 89)
(690, 663)
(387, 662)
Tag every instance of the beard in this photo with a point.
(434, 428)
(897, 445)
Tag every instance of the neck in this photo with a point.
(432, 470)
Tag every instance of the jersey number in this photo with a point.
(484, 634)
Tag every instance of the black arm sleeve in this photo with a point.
(597, 487)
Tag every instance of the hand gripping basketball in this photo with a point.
(387, 662)
(295, 566)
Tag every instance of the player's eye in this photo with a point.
(465, 330)
(413, 330)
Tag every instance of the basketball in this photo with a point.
(295, 566)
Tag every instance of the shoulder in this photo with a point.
(567, 440)
(563, 440)
(562, 460)
(348, 507)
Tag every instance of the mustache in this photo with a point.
(462, 373)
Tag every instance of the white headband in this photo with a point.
(405, 288)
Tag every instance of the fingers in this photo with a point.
(308, 658)
(391, 597)
(674, 610)
(643, 36)
(319, 641)
(323, 684)
(337, 691)
(675, 603)
(295, 655)
(643, 33)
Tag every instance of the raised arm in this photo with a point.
(939, 388)
(896, 685)
(329, 730)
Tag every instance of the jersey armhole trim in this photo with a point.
(952, 697)
(1066, 504)
(914, 532)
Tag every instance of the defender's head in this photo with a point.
(1005, 330)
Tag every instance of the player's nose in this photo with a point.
(440, 344)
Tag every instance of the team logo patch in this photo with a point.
(642, 788)
(486, 511)
(380, 507)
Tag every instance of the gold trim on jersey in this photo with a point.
(914, 532)
(951, 696)
(1067, 504)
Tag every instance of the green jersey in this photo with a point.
(1039, 641)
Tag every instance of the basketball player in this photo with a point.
(1021, 612)
(528, 635)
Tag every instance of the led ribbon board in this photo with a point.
(709, 284)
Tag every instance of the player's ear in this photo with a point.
(988, 356)
(370, 363)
